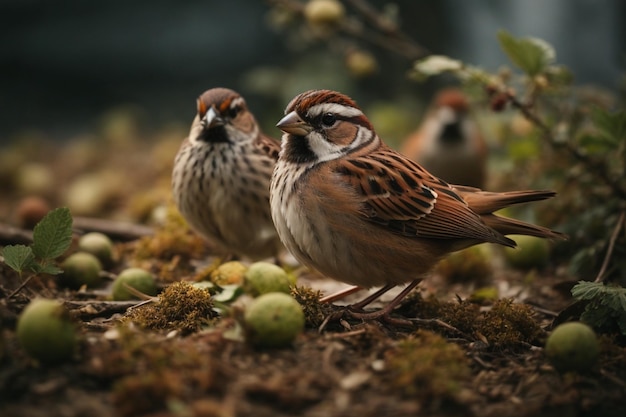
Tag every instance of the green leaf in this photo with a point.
(49, 269)
(613, 125)
(229, 293)
(586, 290)
(531, 55)
(18, 257)
(52, 236)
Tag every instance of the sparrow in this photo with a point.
(448, 143)
(346, 204)
(221, 177)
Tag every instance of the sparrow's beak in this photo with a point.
(292, 123)
(212, 118)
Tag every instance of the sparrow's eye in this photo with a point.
(233, 111)
(328, 119)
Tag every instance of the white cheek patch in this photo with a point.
(324, 150)
(327, 151)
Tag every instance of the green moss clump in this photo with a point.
(174, 238)
(510, 325)
(149, 372)
(461, 315)
(428, 366)
(181, 306)
(314, 312)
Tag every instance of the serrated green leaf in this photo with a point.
(50, 269)
(586, 290)
(52, 236)
(531, 55)
(18, 257)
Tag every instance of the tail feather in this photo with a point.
(508, 226)
(485, 202)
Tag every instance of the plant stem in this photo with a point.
(595, 166)
(609, 250)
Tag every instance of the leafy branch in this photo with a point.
(52, 236)
(599, 146)
(367, 24)
(606, 305)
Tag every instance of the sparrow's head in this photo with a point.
(321, 125)
(222, 116)
(450, 108)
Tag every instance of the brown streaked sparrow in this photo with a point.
(222, 174)
(349, 206)
(448, 142)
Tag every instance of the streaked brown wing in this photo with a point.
(399, 194)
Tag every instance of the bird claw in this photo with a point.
(381, 315)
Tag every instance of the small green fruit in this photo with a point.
(80, 269)
(45, 331)
(265, 277)
(229, 273)
(361, 64)
(98, 244)
(137, 278)
(572, 346)
(324, 12)
(273, 320)
(531, 252)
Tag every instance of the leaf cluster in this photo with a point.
(583, 133)
(606, 305)
(52, 236)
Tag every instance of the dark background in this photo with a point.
(64, 63)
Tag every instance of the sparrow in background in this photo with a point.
(222, 174)
(349, 206)
(448, 142)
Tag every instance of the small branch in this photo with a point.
(596, 166)
(10, 235)
(392, 37)
(609, 250)
(95, 308)
(384, 34)
(118, 230)
(113, 228)
(22, 285)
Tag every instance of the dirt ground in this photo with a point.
(467, 355)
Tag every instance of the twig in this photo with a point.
(119, 230)
(10, 235)
(21, 286)
(113, 228)
(390, 36)
(102, 308)
(596, 166)
(609, 250)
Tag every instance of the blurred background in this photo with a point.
(66, 65)
(96, 97)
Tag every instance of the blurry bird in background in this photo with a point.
(448, 142)
(221, 177)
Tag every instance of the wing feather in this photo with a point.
(397, 193)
